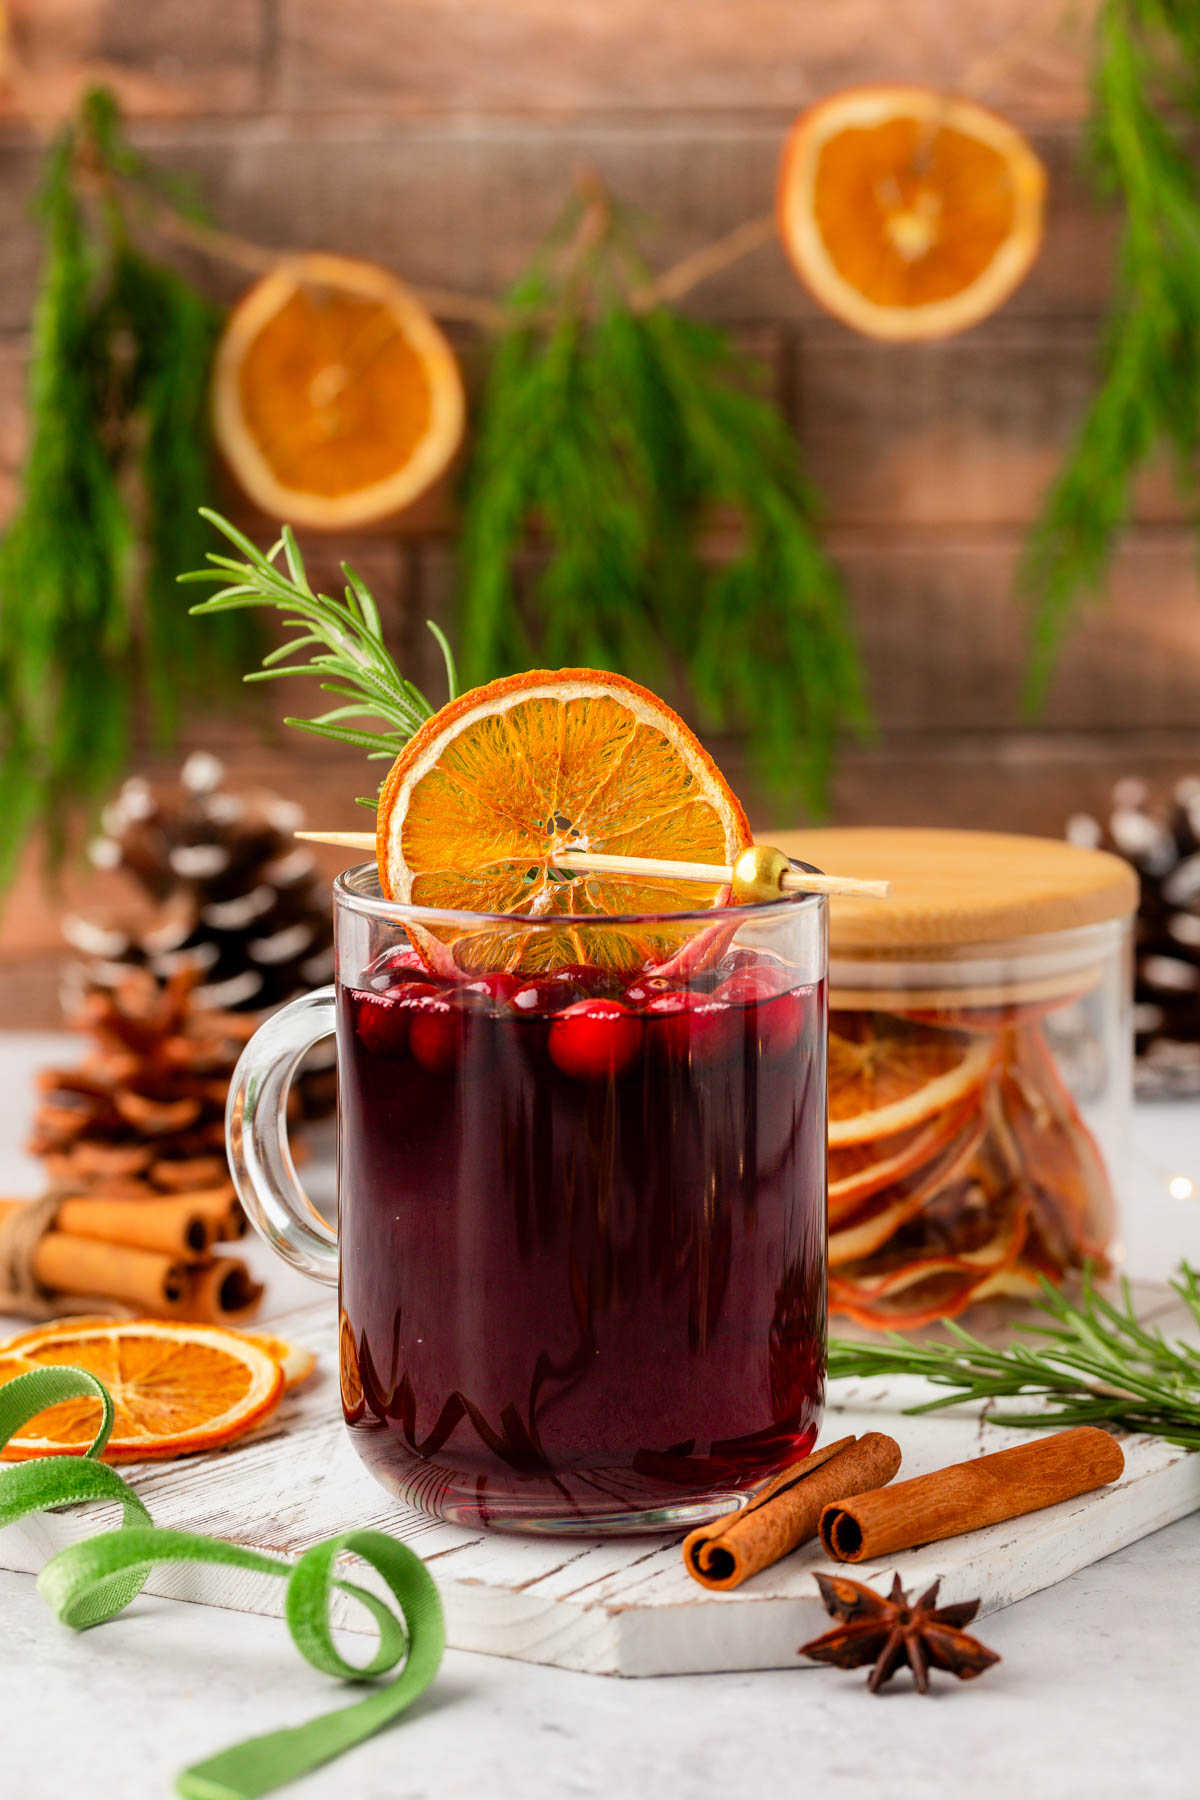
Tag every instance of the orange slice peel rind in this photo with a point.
(909, 213)
(337, 400)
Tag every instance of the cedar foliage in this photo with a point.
(612, 437)
(94, 637)
(1145, 100)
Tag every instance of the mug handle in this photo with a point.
(256, 1136)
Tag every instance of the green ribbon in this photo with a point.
(88, 1583)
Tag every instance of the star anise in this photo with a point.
(892, 1632)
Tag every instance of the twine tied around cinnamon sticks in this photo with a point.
(118, 1256)
(21, 1233)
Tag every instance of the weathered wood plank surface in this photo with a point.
(614, 1607)
(462, 202)
(168, 57)
(534, 56)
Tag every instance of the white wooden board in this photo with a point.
(621, 1607)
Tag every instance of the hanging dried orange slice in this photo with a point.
(481, 803)
(336, 398)
(175, 1388)
(887, 1075)
(909, 213)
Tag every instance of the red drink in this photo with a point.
(582, 1229)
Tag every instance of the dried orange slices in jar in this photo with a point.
(964, 1011)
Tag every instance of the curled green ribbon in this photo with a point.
(88, 1583)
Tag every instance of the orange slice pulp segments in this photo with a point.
(887, 1075)
(336, 398)
(909, 213)
(176, 1388)
(296, 1360)
(481, 803)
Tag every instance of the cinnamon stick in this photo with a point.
(223, 1292)
(146, 1280)
(968, 1495)
(173, 1225)
(182, 1225)
(785, 1512)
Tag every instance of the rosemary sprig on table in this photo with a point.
(1146, 98)
(1095, 1364)
(343, 639)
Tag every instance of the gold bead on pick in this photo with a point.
(757, 874)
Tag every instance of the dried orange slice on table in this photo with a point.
(295, 1360)
(480, 805)
(176, 1388)
(337, 401)
(909, 213)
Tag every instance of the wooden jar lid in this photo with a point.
(960, 887)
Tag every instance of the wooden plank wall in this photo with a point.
(437, 136)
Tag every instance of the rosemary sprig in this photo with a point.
(343, 638)
(1095, 1364)
(1147, 63)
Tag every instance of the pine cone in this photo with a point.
(145, 1111)
(1161, 839)
(237, 900)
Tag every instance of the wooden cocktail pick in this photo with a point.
(760, 873)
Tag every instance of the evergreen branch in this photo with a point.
(1149, 393)
(350, 657)
(609, 441)
(65, 696)
(93, 637)
(1094, 1363)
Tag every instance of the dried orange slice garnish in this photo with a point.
(336, 398)
(482, 802)
(887, 1075)
(909, 213)
(176, 1388)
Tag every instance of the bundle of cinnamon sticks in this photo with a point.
(844, 1493)
(153, 1254)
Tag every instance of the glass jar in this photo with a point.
(980, 1068)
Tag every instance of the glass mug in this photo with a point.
(580, 1249)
